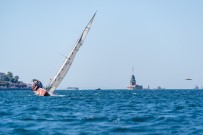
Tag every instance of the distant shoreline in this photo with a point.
(15, 89)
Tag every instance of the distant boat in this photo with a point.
(188, 78)
(72, 88)
(66, 65)
(196, 87)
(98, 89)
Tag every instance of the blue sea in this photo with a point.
(102, 112)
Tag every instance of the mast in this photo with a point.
(69, 60)
(132, 70)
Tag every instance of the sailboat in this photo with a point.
(54, 83)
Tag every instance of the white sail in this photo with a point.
(69, 60)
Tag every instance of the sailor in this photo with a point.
(36, 84)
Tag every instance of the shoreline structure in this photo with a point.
(8, 82)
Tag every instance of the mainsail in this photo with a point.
(69, 60)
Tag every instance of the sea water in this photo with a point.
(90, 112)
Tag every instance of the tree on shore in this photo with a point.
(15, 79)
(9, 78)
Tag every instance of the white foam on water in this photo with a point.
(54, 95)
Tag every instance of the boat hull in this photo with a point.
(41, 92)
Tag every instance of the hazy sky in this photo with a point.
(161, 39)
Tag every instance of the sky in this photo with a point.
(161, 39)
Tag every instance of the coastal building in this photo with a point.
(2, 75)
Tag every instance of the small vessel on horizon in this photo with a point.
(188, 79)
(72, 88)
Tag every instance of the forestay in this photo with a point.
(69, 60)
